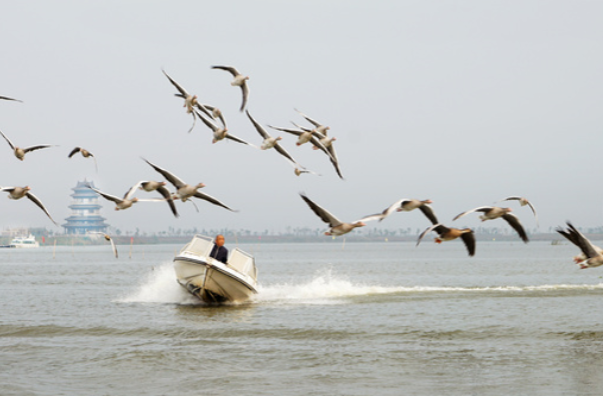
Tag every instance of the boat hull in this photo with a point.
(211, 280)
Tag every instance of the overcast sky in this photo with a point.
(461, 102)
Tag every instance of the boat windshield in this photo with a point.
(243, 262)
(200, 246)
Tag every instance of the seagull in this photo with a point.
(85, 154)
(186, 191)
(269, 141)
(214, 113)
(20, 192)
(406, 205)
(150, 186)
(448, 234)
(303, 135)
(190, 101)
(299, 170)
(592, 256)
(120, 203)
(337, 227)
(523, 202)
(239, 81)
(7, 98)
(494, 212)
(307, 135)
(108, 238)
(221, 133)
(20, 152)
(318, 127)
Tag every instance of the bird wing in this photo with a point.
(9, 189)
(112, 245)
(514, 222)
(175, 84)
(8, 140)
(204, 110)
(311, 121)
(168, 197)
(322, 213)
(106, 196)
(428, 211)
(207, 122)
(229, 69)
(427, 231)
(257, 126)
(518, 198)
(212, 200)
(239, 140)
(478, 209)
(245, 92)
(38, 147)
(386, 212)
(75, 150)
(175, 180)
(469, 241)
(582, 242)
(130, 193)
(292, 131)
(7, 98)
(284, 153)
(334, 161)
(211, 109)
(35, 200)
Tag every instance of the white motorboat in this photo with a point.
(211, 280)
(25, 242)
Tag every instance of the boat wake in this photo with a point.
(160, 286)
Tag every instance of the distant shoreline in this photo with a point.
(67, 240)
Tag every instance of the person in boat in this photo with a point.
(219, 252)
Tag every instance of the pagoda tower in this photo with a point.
(85, 209)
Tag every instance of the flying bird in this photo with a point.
(221, 133)
(20, 152)
(20, 192)
(150, 186)
(85, 154)
(269, 141)
(307, 135)
(190, 101)
(523, 202)
(337, 227)
(449, 234)
(592, 256)
(239, 81)
(128, 199)
(494, 212)
(186, 191)
(300, 170)
(7, 98)
(214, 113)
(318, 127)
(406, 205)
(107, 238)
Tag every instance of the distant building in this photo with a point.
(85, 209)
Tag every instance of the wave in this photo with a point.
(160, 286)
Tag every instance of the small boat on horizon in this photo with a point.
(24, 242)
(211, 280)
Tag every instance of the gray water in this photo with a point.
(330, 319)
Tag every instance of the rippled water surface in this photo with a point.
(330, 319)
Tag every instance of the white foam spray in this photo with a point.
(160, 286)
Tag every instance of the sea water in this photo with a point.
(329, 319)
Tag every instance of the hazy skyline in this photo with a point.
(460, 102)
